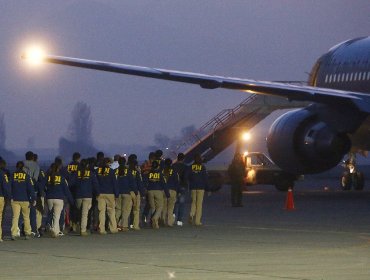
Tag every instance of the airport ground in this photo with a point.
(326, 237)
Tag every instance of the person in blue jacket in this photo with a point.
(86, 184)
(124, 201)
(4, 193)
(106, 199)
(56, 190)
(198, 183)
(172, 181)
(155, 184)
(136, 191)
(23, 196)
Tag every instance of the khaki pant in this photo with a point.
(83, 205)
(136, 199)
(156, 204)
(2, 204)
(119, 209)
(196, 206)
(168, 206)
(55, 205)
(126, 209)
(107, 203)
(17, 207)
(40, 203)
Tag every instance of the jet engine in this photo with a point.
(302, 142)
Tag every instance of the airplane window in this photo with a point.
(334, 78)
(355, 77)
(347, 76)
(329, 78)
(351, 77)
(343, 77)
(368, 75)
(326, 78)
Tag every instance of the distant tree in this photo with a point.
(161, 141)
(79, 133)
(2, 132)
(187, 131)
(4, 153)
(81, 124)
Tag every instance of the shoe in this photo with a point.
(14, 238)
(102, 232)
(27, 236)
(124, 229)
(179, 223)
(84, 233)
(136, 228)
(155, 224)
(199, 225)
(1, 240)
(38, 235)
(113, 231)
(61, 233)
(191, 220)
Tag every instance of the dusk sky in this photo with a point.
(262, 39)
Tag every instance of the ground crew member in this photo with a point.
(106, 199)
(172, 182)
(72, 168)
(4, 193)
(135, 182)
(23, 195)
(198, 183)
(180, 168)
(155, 184)
(56, 190)
(86, 185)
(124, 201)
(237, 173)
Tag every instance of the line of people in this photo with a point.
(98, 194)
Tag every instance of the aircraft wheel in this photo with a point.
(360, 181)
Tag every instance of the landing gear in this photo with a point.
(352, 178)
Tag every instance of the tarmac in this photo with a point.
(327, 236)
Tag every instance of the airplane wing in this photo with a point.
(360, 101)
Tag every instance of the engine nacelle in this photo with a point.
(300, 142)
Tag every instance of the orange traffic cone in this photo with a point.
(289, 204)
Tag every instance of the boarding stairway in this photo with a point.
(224, 129)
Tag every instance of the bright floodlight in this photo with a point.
(246, 136)
(34, 55)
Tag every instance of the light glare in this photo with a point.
(34, 55)
(246, 136)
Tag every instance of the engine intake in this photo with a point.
(300, 142)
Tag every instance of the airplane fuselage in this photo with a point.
(346, 67)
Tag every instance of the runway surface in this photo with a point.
(326, 237)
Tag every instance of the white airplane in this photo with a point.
(304, 141)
